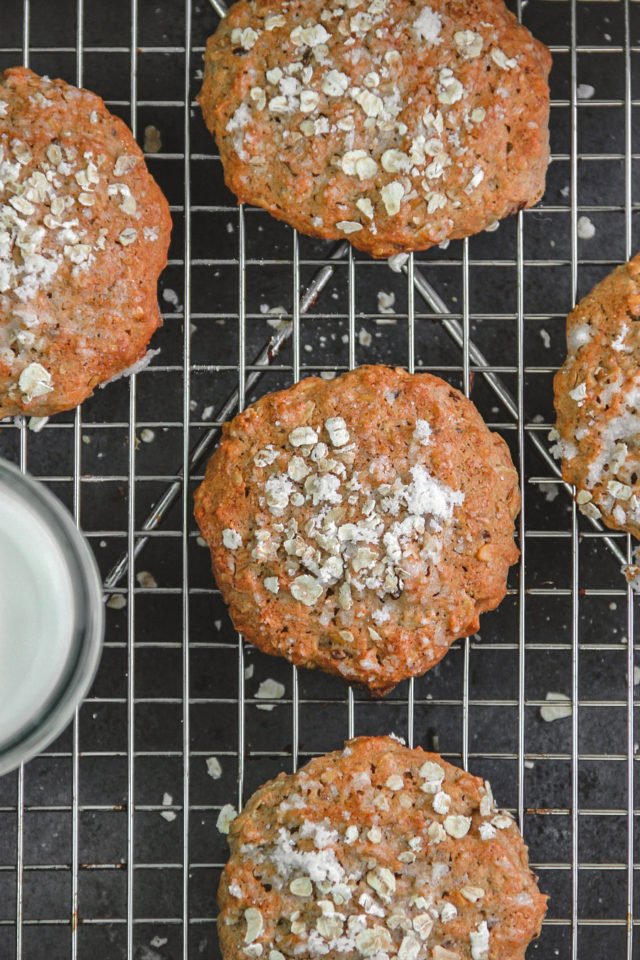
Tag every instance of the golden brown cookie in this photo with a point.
(362, 524)
(395, 123)
(377, 851)
(597, 400)
(84, 233)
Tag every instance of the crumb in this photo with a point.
(270, 690)
(230, 228)
(152, 139)
(214, 768)
(146, 580)
(170, 296)
(386, 302)
(586, 229)
(546, 339)
(226, 817)
(86, 438)
(116, 601)
(37, 423)
(147, 435)
(207, 413)
(364, 338)
(397, 261)
(158, 942)
(559, 707)
(551, 492)
(328, 374)
(585, 91)
(201, 542)
(169, 815)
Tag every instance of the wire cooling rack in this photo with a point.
(108, 844)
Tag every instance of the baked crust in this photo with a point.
(390, 851)
(360, 525)
(84, 234)
(597, 401)
(438, 109)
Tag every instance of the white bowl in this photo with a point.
(51, 617)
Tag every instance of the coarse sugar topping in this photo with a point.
(338, 82)
(335, 868)
(336, 525)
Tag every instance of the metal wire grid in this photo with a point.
(87, 864)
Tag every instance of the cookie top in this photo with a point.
(377, 851)
(84, 232)
(362, 524)
(597, 400)
(395, 123)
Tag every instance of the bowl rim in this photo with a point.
(57, 712)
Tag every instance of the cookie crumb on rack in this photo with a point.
(214, 768)
(586, 229)
(117, 601)
(227, 815)
(146, 580)
(559, 707)
(269, 690)
(152, 139)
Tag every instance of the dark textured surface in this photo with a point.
(155, 648)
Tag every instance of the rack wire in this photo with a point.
(92, 860)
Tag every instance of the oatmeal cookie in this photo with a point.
(597, 400)
(395, 123)
(362, 524)
(377, 851)
(84, 232)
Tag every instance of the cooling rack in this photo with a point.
(108, 841)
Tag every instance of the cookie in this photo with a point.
(597, 401)
(377, 851)
(84, 233)
(395, 123)
(360, 525)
